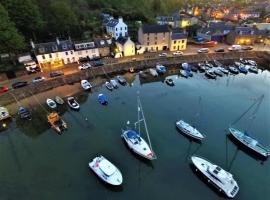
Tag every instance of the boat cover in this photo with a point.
(133, 135)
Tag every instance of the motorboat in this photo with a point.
(24, 113)
(207, 64)
(243, 69)
(109, 86)
(189, 130)
(137, 144)
(56, 122)
(161, 69)
(73, 104)
(194, 69)
(238, 64)
(184, 73)
(106, 171)
(59, 100)
(185, 66)
(169, 81)
(142, 74)
(201, 67)
(189, 73)
(210, 74)
(86, 85)
(244, 61)
(114, 83)
(51, 103)
(233, 70)
(223, 70)
(250, 142)
(153, 72)
(102, 99)
(4, 114)
(252, 69)
(252, 62)
(121, 80)
(221, 179)
(218, 72)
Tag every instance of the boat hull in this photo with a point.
(188, 133)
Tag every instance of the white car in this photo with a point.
(84, 66)
(178, 53)
(235, 47)
(38, 79)
(162, 55)
(203, 50)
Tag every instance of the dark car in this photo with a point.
(247, 48)
(97, 63)
(19, 84)
(56, 73)
(219, 50)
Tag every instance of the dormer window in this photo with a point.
(64, 46)
(54, 48)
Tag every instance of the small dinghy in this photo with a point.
(109, 86)
(189, 73)
(4, 114)
(51, 103)
(73, 103)
(210, 74)
(24, 114)
(194, 69)
(56, 122)
(102, 99)
(161, 69)
(185, 66)
(233, 70)
(223, 70)
(250, 142)
(106, 171)
(169, 81)
(114, 83)
(153, 72)
(189, 130)
(184, 73)
(252, 69)
(86, 85)
(252, 62)
(242, 69)
(142, 74)
(121, 80)
(201, 67)
(218, 72)
(59, 100)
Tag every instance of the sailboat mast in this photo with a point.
(138, 109)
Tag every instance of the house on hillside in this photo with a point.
(103, 46)
(178, 41)
(125, 47)
(154, 37)
(242, 35)
(52, 55)
(86, 50)
(116, 28)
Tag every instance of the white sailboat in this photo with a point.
(135, 142)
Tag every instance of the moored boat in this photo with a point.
(252, 69)
(106, 171)
(102, 99)
(121, 80)
(73, 103)
(242, 69)
(24, 114)
(86, 85)
(193, 68)
(161, 69)
(4, 114)
(223, 70)
(51, 103)
(186, 66)
(109, 86)
(221, 179)
(56, 122)
(114, 83)
(210, 74)
(59, 100)
(189, 130)
(250, 142)
(153, 72)
(218, 72)
(142, 74)
(184, 73)
(169, 81)
(233, 70)
(252, 62)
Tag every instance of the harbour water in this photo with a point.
(36, 163)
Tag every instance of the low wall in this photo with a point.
(12, 95)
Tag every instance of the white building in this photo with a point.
(125, 46)
(86, 50)
(117, 28)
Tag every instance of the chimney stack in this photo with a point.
(57, 41)
(32, 44)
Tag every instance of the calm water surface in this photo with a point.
(36, 163)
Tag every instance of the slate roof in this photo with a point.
(165, 18)
(242, 30)
(52, 47)
(101, 43)
(177, 36)
(112, 22)
(83, 45)
(155, 28)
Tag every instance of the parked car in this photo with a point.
(162, 55)
(178, 53)
(235, 47)
(3, 89)
(19, 84)
(38, 79)
(219, 50)
(203, 50)
(133, 59)
(56, 73)
(247, 48)
(97, 63)
(85, 66)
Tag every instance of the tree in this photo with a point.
(10, 39)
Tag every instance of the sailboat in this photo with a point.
(134, 140)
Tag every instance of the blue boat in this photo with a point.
(189, 73)
(160, 69)
(24, 114)
(242, 69)
(186, 66)
(102, 99)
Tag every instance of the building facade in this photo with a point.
(178, 41)
(154, 37)
(103, 46)
(117, 28)
(242, 36)
(126, 46)
(86, 50)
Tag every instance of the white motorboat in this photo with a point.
(189, 130)
(73, 103)
(106, 171)
(252, 62)
(223, 70)
(114, 83)
(160, 69)
(153, 72)
(108, 85)
(4, 114)
(218, 72)
(51, 103)
(252, 69)
(121, 80)
(86, 85)
(220, 178)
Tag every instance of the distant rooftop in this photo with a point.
(155, 28)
